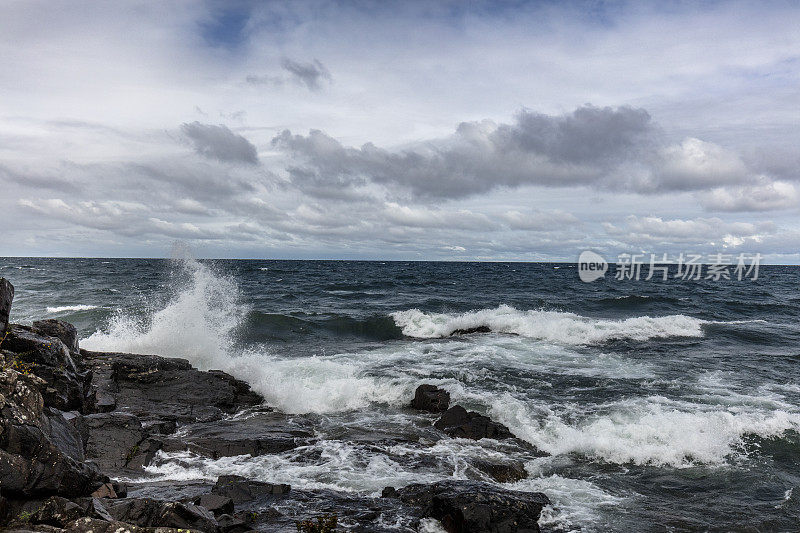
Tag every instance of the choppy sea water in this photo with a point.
(665, 405)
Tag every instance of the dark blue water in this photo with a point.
(664, 405)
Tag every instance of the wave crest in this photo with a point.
(551, 326)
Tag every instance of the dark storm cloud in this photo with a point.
(309, 74)
(219, 142)
(607, 148)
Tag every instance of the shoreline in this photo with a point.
(79, 427)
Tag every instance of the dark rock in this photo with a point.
(431, 398)
(64, 331)
(120, 488)
(215, 503)
(40, 451)
(157, 388)
(94, 525)
(117, 440)
(32, 347)
(457, 422)
(185, 516)
(231, 524)
(502, 472)
(161, 427)
(469, 331)
(241, 489)
(146, 512)
(57, 511)
(65, 390)
(106, 490)
(6, 298)
(471, 506)
(389, 492)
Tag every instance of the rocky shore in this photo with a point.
(76, 424)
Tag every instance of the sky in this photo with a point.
(452, 130)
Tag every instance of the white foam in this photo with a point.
(647, 430)
(551, 326)
(65, 308)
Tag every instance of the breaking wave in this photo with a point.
(66, 308)
(551, 326)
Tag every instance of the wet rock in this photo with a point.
(32, 347)
(240, 489)
(470, 506)
(161, 427)
(57, 511)
(215, 503)
(268, 433)
(64, 331)
(469, 331)
(117, 440)
(94, 525)
(457, 422)
(431, 398)
(232, 524)
(40, 451)
(502, 472)
(185, 516)
(157, 388)
(6, 298)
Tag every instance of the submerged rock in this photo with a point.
(240, 489)
(431, 398)
(473, 507)
(502, 472)
(469, 331)
(459, 423)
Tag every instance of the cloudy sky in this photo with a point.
(409, 130)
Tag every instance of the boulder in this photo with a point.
(6, 297)
(158, 388)
(457, 422)
(472, 507)
(95, 525)
(431, 398)
(502, 472)
(33, 347)
(64, 331)
(240, 489)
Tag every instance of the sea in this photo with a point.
(663, 405)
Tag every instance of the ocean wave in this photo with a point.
(65, 308)
(647, 431)
(551, 326)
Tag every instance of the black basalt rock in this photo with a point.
(457, 422)
(64, 331)
(431, 398)
(476, 507)
(6, 298)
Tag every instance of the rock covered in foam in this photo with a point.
(431, 398)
